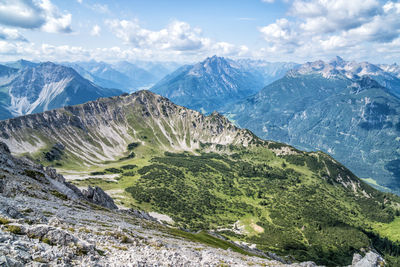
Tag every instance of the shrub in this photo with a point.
(128, 167)
(114, 170)
(133, 145)
(15, 229)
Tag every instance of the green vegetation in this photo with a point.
(114, 170)
(4, 221)
(133, 145)
(15, 229)
(207, 239)
(302, 209)
(128, 167)
(97, 173)
(33, 174)
(302, 205)
(59, 195)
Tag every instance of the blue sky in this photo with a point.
(179, 30)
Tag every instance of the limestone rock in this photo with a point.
(99, 197)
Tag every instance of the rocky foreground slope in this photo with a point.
(45, 221)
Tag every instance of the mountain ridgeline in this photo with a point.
(32, 88)
(349, 110)
(123, 75)
(207, 174)
(216, 81)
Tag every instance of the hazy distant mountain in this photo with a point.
(124, 75)
(328, 106)
(157, 68)
(44, 86)
(209, 84)
(20, 64)
(269, 71)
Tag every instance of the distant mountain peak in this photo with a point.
(337, 61)
(45, 86)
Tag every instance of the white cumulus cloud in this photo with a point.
(340, 26)
(30, 14)
(178, 35)
(11, 34)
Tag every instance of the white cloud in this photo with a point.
(280, 35)
(268, 1)
(328, 27)
(11, 34)
(30, 14)
(79, 1)
(95, 30)
(177, 39)
(178, 35)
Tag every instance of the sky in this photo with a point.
(190, 30)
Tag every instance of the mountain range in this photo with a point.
(38, 87)
(347, 109)
(123, 75)
(202, 173)
(216, 81)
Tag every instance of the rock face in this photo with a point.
(339, 107)
(141, 117)
(99, 197)
(39, 87)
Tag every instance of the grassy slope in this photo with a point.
(287, 204)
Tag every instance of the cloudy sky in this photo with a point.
(189, 30)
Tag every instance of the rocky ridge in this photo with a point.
(101, 130)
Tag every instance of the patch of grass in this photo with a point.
(15, 229)
(58, 195)
(207, 239)
(33, 174)
(100, 252)
(389, 230)
(4, 221)
(47, 241)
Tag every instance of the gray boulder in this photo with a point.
(97, 196)
(371, 259)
